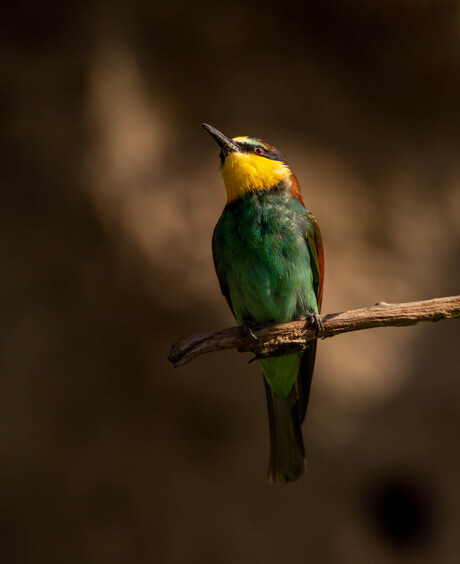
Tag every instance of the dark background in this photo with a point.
(109, 195)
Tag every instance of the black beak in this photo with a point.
(226, 144)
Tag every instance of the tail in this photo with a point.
(285, 416)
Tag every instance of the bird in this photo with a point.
(268, 257)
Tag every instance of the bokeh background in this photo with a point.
(110, 192)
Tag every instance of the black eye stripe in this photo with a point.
(268, 152)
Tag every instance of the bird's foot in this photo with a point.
(248, 330)
(314, 320)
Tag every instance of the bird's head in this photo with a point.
(250, 165)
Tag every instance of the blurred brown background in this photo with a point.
(110, 192)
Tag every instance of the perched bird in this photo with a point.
(269, 261)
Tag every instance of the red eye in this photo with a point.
(259, 150)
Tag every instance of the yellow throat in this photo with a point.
(247, 172)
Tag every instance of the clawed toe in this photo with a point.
(248, 330)
(315, 321)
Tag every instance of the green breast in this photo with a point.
(262, 258)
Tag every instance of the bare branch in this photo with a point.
(279, 339)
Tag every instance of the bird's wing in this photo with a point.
(222, 280)
(315, 247)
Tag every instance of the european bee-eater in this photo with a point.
(268, 257)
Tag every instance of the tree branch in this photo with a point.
(279, 339)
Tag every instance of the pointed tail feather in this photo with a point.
(285, 415)
(287, 454)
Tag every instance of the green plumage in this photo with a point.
(267, 264)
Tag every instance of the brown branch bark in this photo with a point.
(278, 339)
